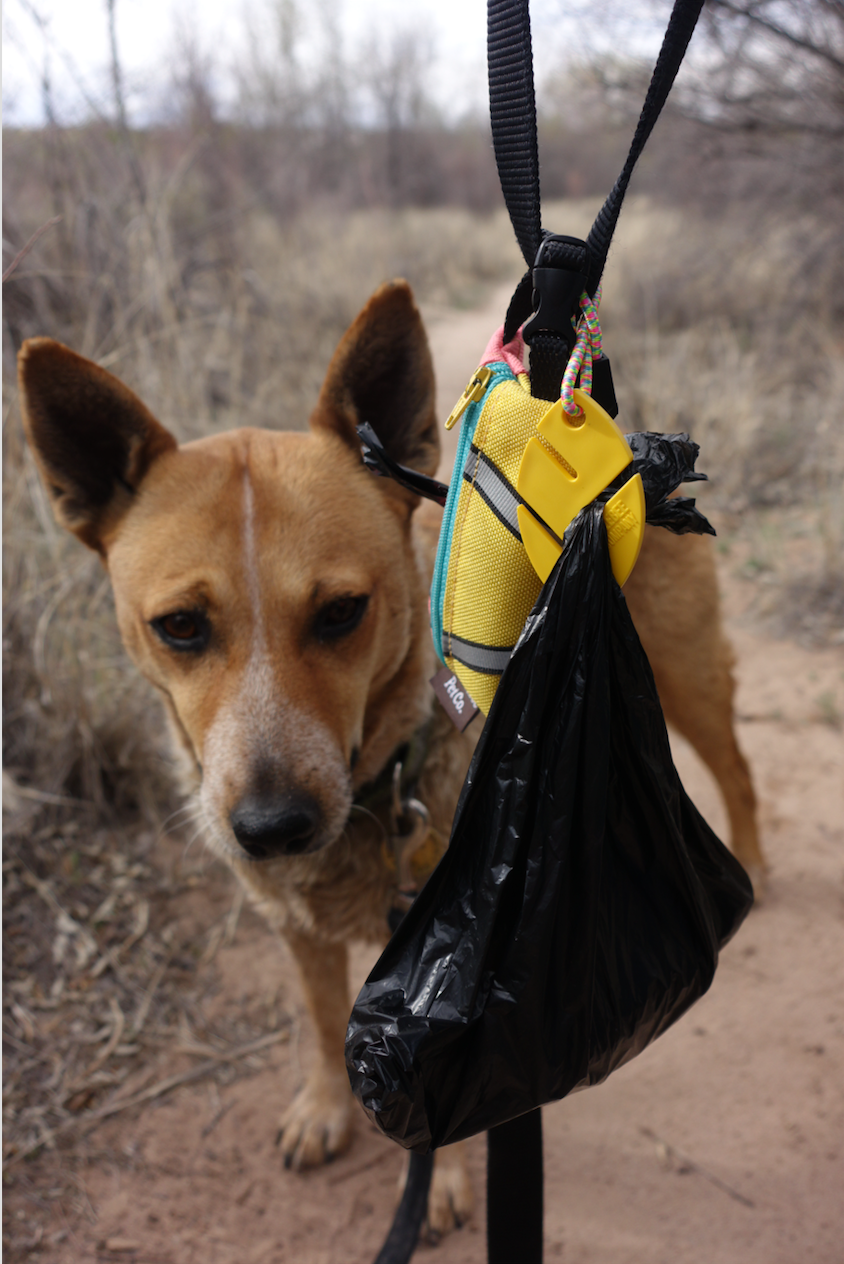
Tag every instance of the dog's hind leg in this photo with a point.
(451, 1200)
(707, 724)
(673, 598)
(318, 1124)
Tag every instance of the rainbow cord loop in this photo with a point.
(587, 348)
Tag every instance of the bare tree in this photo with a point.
(759, 101)
(270, 78)
(398, 65)
(774, 66)
(126, 139)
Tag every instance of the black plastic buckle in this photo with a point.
(557, 287)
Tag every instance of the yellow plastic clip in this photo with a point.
(565, 467)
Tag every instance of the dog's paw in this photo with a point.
(318, 1125)
(451, 1199)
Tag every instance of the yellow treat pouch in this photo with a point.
(523, 470)
(484, 584)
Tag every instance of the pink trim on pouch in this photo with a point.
(512, 354)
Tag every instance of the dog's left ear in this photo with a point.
(382, 373)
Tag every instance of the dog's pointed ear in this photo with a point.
(382, 373)
(92, 438)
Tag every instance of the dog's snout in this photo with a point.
(275, 825)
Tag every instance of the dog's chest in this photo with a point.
(346, 891)
(341, 893)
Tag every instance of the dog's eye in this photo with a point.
(340, 617)
(183, 629)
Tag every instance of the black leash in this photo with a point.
(401, 1241)
(559, 270)
(514, 1194)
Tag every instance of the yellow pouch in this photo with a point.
(523, 470)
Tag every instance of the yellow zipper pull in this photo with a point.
(473, 392)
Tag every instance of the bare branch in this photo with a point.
(19, 257)
(780, 31)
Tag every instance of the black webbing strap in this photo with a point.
(514, 1191)
(401, 1241)
(549, 355)
(512, 108)
(513, 115)
(679, 31)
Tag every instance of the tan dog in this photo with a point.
(275, 593)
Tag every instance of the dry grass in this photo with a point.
(734, 331)
(219, 315)
(106, 977)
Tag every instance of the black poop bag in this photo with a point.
(582, 901)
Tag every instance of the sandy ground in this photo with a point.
(722, 1142)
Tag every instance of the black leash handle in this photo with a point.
(512, 110)
(513, 117)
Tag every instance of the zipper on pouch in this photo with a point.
(473, 393)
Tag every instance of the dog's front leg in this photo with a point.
(318, 1124)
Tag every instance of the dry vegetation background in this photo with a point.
(212, 263)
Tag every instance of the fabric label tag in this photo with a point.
(457, 704)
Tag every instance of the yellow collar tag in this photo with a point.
(564, 467)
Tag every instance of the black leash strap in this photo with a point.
(512, 108)
(679, 31)
(559, 270)
(401, 1241)
(514, 1191)
(546, 290)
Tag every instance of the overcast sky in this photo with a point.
(72, 43)
(76, 44)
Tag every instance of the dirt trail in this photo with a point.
(723, 1142)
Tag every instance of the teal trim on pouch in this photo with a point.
(500, 373)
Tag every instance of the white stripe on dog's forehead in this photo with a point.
(258, 684)
(250, 553)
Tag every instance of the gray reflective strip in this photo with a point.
(488, 659)
(486, 479)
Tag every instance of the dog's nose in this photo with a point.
(274, 825)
